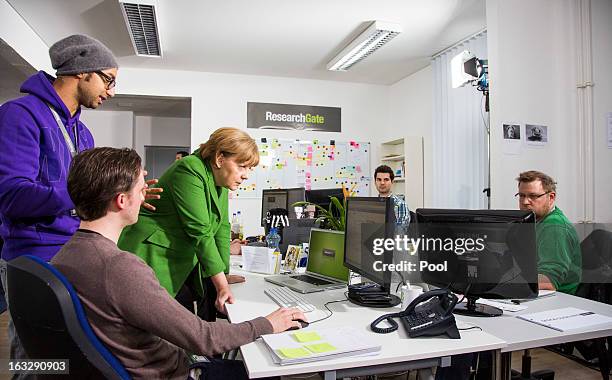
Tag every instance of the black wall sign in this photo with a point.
(293, 116)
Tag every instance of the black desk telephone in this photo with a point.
(430, 314)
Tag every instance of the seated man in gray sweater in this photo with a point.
(140, 323)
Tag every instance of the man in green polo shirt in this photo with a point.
(559, 256)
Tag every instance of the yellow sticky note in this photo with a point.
(293, 353)
(307, 336)
(320, 348)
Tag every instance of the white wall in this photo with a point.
(110, 128)
(601, 16)
(161, 131)
(220, 100)
(531, 62)
(123, 129)
(410, 114)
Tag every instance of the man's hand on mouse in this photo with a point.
(283, 319)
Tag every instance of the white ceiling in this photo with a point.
(288, 38)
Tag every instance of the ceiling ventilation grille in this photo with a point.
(142, 26)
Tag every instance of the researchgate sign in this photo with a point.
(293, 116)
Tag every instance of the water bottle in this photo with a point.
(273, 239)
(235, 228)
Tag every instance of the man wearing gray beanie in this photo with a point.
(40, 133)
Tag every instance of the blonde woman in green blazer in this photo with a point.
(186, 240)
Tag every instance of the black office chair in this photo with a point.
(597, 272)
(2, 293)
(51, 323)
(597, 286)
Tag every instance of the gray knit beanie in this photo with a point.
(80, 54)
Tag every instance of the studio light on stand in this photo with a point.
(466, 68)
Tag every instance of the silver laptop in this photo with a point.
(325, 269)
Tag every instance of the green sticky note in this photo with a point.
(293, 353)
(305, 337)
(320, 347)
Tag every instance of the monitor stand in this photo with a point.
(472, 309)
(372, 295)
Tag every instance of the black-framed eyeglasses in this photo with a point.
(532, 197)
(108, 80)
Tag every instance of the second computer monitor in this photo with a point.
(367, 219)
(322, 197)
(280, 198)
(479, 253)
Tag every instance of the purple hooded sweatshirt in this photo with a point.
(35, 208)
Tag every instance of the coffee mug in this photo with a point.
(409, 294)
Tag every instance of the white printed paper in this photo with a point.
(568, 318)
(260, 260)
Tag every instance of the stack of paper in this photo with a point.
(260, 260)
(307, 345)
(567, 318)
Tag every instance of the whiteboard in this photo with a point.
(312, 164)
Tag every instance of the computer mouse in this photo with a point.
(302, 323)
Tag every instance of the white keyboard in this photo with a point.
(285, 297)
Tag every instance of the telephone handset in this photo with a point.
(430, 314)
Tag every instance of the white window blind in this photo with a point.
(459, 139)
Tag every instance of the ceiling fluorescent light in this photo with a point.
(372, 39)
(140, 18)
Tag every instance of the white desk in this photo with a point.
(399, 352)
(520, 334)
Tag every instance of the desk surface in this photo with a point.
(506, 332)
(396, 347)
(520, 334)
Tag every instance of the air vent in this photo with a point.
(141, 21)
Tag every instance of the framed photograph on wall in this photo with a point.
(536, 134)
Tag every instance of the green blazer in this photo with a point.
(190, 225)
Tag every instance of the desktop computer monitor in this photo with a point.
(280, 198)
(367, 219)
(479, 253)
(322, 198)
(297, 232)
